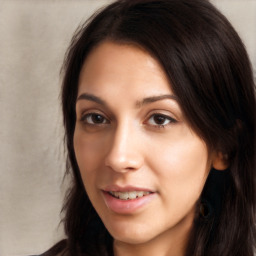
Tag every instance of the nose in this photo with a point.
(125, 150)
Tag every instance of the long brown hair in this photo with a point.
(209, 70)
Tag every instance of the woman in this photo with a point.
(159, 112)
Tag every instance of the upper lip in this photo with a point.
(127, 188)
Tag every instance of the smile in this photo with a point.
(128, 195)
(127, 201)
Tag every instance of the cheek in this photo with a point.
(184, 160)
(182, 168)
(88, 152)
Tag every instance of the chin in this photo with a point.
(132, 233)
(131, 238)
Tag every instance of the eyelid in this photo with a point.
(87, 113)
(84, 111)
(171, 119)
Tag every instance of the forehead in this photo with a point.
(122, 66)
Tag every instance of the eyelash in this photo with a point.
(85, 118)
(165, 118)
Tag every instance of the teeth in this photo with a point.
(140, 194)
(124, 196)
(132, 195)
(129, 195)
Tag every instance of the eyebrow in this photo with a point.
(145, 101)
(156, 98)
(90, 97)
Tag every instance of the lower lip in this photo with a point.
(126, 206)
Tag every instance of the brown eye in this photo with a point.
(97, 119)
(94, 118)
(160, 120)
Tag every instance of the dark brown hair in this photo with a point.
(209, 70)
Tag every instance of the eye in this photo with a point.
(94, 119)
(160, 120)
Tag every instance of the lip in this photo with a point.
(128, 188)
(126, 206)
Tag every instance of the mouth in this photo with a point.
(128, 195)
(127, 199)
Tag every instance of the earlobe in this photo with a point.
(220, 161)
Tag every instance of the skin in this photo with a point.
(141, 143)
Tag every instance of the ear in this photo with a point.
(220, 161)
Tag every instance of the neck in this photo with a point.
(172, 242)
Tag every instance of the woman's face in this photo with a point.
(142, 165)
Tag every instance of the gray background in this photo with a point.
(34, 35)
